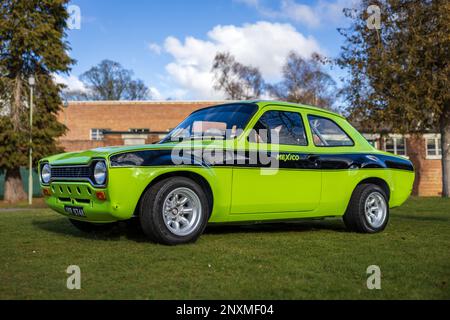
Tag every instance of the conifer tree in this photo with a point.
(32, 42)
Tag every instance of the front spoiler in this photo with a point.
(83, 195)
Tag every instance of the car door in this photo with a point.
(294, 184)
(332, 141)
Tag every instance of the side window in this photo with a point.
(326, 133)
(279, 127)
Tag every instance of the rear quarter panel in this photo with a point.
(338, 187)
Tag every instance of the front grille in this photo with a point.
(81, 172)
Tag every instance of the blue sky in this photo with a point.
(170, 44)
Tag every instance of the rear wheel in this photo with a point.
(174, 211)
(368, 209)
(89, 227)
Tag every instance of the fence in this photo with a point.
(24, 175)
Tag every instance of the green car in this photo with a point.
(251, 161)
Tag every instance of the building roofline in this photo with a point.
(202, 102)
(143, 102)
(134, 133)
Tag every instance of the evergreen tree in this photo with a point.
(32, 34)
(399, 72)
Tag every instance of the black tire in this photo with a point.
(355, 218)
(151, 211)
(89, 227)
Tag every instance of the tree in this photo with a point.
(399, 72)
(305, 81)
(32, 42)
(110, 81)
(239, 82)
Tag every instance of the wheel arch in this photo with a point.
(198, 178)
(379, 182)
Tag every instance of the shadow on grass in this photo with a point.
(132, 231)
(274, 227)
(422, 218)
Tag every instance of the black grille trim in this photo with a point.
(77, 173)
(71, 172)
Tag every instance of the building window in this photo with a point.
(97, 134)
(373, 139)
(373, 143)
(139, 130)
(433, 146)
(396, 145)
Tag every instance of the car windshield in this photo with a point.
(218, 122)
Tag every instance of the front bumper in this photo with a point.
(81, 194)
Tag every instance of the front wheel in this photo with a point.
(368, 209)
(174, 211)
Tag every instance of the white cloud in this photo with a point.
(155, 48)
(264, 45)
(322, 12)
(72, 82)
(300, 13)
(333, 10)
(155, 94)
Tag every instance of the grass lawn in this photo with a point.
(305, 260)
(37, 203)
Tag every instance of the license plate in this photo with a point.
(75, 211)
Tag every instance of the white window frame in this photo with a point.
(99, 132)
(436, 137)
(375, 137)
(394, 138)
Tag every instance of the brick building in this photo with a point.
(423, 150)
(95, 124)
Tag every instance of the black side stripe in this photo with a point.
(254, 159)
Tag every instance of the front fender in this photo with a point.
(127, 184)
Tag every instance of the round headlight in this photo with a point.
(100, 172)
(46, 173)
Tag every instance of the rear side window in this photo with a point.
(279, 127)
(326, 133)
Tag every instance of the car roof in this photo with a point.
(263, 103)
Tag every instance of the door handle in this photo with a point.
(314, 159)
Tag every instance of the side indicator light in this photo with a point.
(101, 195)
(46, 192)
